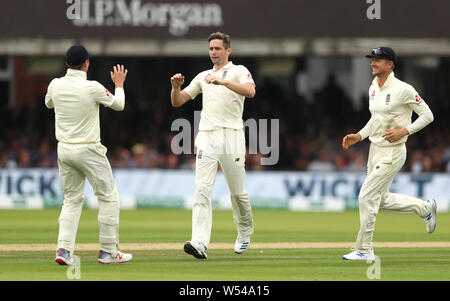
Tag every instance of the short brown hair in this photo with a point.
(226, 39)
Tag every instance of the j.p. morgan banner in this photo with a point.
(40, 188)
(106, 19)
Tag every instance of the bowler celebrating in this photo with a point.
(220, 140)
(391, 103)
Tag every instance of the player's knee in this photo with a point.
(110, 197)
(203, 191)
(365, 196)
(73, 200)
(240, 197)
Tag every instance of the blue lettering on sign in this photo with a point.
(19, 185)
(324, 187)
(335, 184)
(299, 188)
(343, 187)
(24, 183)
(420, 182)
(46, 186)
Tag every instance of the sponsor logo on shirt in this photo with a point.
(388, 99)
(108, 94)
(224, 75)
(372, 96)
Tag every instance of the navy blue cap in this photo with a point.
(383, 53)
(76, 55)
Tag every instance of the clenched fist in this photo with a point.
(177, 81)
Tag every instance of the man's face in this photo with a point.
(217, 52)
(380, 66)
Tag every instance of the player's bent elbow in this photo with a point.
(175, 105)
(251, 94)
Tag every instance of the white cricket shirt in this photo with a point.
(76, 102)
(222, 107)
(391, 107)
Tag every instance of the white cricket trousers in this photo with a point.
(382, 165)
(76, 163)
(224, 146)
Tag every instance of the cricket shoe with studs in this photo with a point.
(430, 218)
(241, 244)
(119, 257)
(196, 249)
(359, 256)
(63, 257)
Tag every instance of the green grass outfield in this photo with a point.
(259, 263)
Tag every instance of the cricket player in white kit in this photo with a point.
(220, 140)
(76, 102)
(391, 103)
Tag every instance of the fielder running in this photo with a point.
(220, 140)
(391, 103)
(76, 102)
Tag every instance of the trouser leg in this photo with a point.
(383, 164)
(205, 174)
(72, 182)
(234, 172)
(403, 203)
(99, 174)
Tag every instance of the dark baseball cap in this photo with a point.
(383, 53)
(76, 55)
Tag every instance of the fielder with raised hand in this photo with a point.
(391, 103)
(76, 102)
(220, 140)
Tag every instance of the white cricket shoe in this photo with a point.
(241, 245)
(356, 255)
(105, 257)
(430, 218)
(196, 249)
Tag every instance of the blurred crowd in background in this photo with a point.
(311, 132)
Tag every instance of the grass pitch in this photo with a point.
(257, 264)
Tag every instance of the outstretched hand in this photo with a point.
(118, 75)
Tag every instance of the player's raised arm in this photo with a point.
(118, 76)
(114, 101)
(177, 96)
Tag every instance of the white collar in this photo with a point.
(76, 73)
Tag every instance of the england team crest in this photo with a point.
(388, 99)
